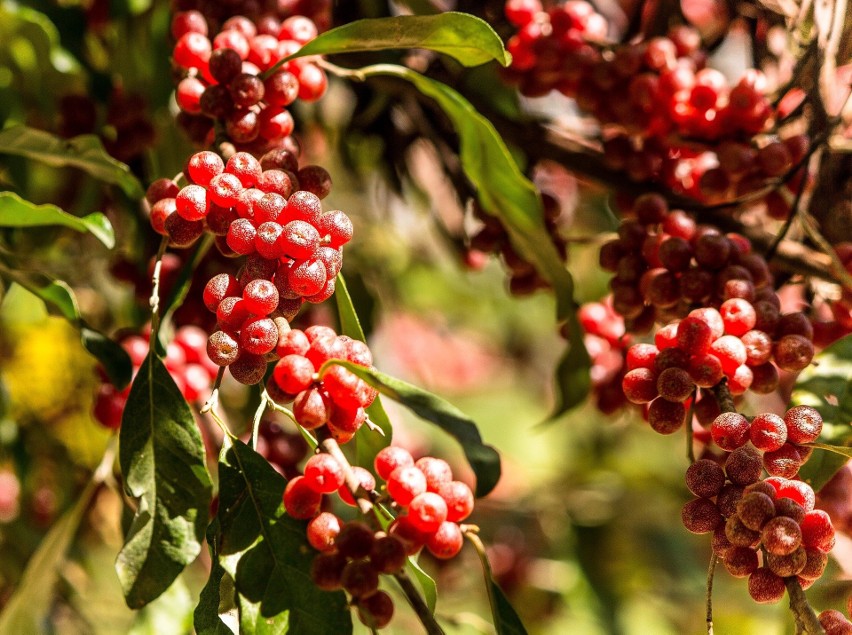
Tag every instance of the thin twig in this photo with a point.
(690, 450)
(154, 300)
(711, 571)
(724, 397)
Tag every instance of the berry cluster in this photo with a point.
(780, 439)
(227, 79)
(766, 530)
(186, 361)
(492, 237)
(665, 116)
(338, 398)
(701, 350)
(665, 265)
(353, 555)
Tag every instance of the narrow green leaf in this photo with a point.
(368, 442)
(842, 450)
(504, 191)
(572, 373)
(506, 618)
(427, 584)
(483, 458)
(827, 386)
(16, 212)
(28, 609)
(60, 298)
(162, 460)
(275, 572)
(468, 39)
(85, 152)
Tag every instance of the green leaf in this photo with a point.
(504, 191)
(162, 460)
(368, 442)
(85, 152)
(483, 458)
(218, 597)
(28, 609)
(169, 613)
(827, 386)
(275, 572)
(573, 380)
(506, 619)
(16, 212)
(466, 38)
(60, 297)
(842, 450)
(427, 584)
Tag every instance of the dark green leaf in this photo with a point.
(16, 212)
(368, 442)
(206, 618)
(506, 619)
(28, 610)
(275, 572)
(572, 373)
(162, 460)
(218, 597)
(60, 298)
(827, 386)
(85, 152)
(114, 359)
(466, 38)
(504, 191)
(483, 458)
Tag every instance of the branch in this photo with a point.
(711, 572)
(803, 612)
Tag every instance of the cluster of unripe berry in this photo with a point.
(187, 363)
(493, 238)
(766, 530)
(227, 79)
(353, 555)
(664, 115)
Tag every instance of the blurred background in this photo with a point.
(583, 530)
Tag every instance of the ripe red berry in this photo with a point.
(765, 587)
(459, 499)
(768, 432)
(390, 458)
(701, 516)
(405, 483)
(293, 373)
(804, 424)
(446, 541)
(666, 417)
(640, 385)
(300, 501)
(323, 473)
(730, 430)
(323, 530)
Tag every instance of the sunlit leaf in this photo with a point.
(162, 460)
(85, 152)
(16, 212)
(468, 39)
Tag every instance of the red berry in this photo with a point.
(300, 501)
